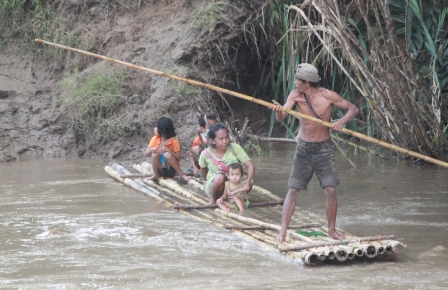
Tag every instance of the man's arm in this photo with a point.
(338, 101)
(280, 115)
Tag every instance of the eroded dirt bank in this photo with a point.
(160, 35)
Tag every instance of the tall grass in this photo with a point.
(389, 59)
(93, 104)
(22, 21)
(292, 44)
(26, 19)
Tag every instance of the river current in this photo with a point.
(65, 224)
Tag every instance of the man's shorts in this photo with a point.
(313, 157)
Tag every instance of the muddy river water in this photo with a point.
(64, 224)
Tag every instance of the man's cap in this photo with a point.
(307, 72)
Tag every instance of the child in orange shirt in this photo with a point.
(165, 151)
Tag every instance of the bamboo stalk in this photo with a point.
(209, 219)
(264, 238)
(343, 153)
(254, 100)
(140, 175)
(146, 168)
(174, 186)
(163, 195)
(135, 175)
(265, 192)
(287, 140)
(268, 203)
(340, 242)
(109, 170)
(152, 193)
(266, 242)
(261, 228)
(360, 147)
(266, 139)
(264, 224)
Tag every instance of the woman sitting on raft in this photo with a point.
(165, 151)
(214, 160)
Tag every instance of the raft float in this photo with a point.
(307, 238)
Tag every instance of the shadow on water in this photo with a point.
(66, 224)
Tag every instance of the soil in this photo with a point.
(158, 35)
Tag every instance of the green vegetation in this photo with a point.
(390, 60)
(22, 21)
(252, 146)
(213, 12)
(187, 92)
(26, 19)
(93, 104)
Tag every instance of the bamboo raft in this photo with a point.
(306, 240)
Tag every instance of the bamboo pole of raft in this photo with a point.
(172, 185)
(260, 228)
(115, 172)
(266, 241)
(135, 175)
(137, 187)
(143, 188)
(338, 242)
(267, 203)
(146, 168)
(253, 238)
(254, 100)
(162, 191)
(263, 224)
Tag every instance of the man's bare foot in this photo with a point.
(212, 202)
(335, 235)
(280, 238)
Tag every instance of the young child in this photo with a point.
(199, 143)
(165, 151)
(234, 190)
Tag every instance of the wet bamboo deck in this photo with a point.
(260, 223)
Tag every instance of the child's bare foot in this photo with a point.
(153, 178)
(185, 178)
(280, 238)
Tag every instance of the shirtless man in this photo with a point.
(314, 151)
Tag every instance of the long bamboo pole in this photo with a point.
(261, 228)
(255, 100)
(207, 206)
